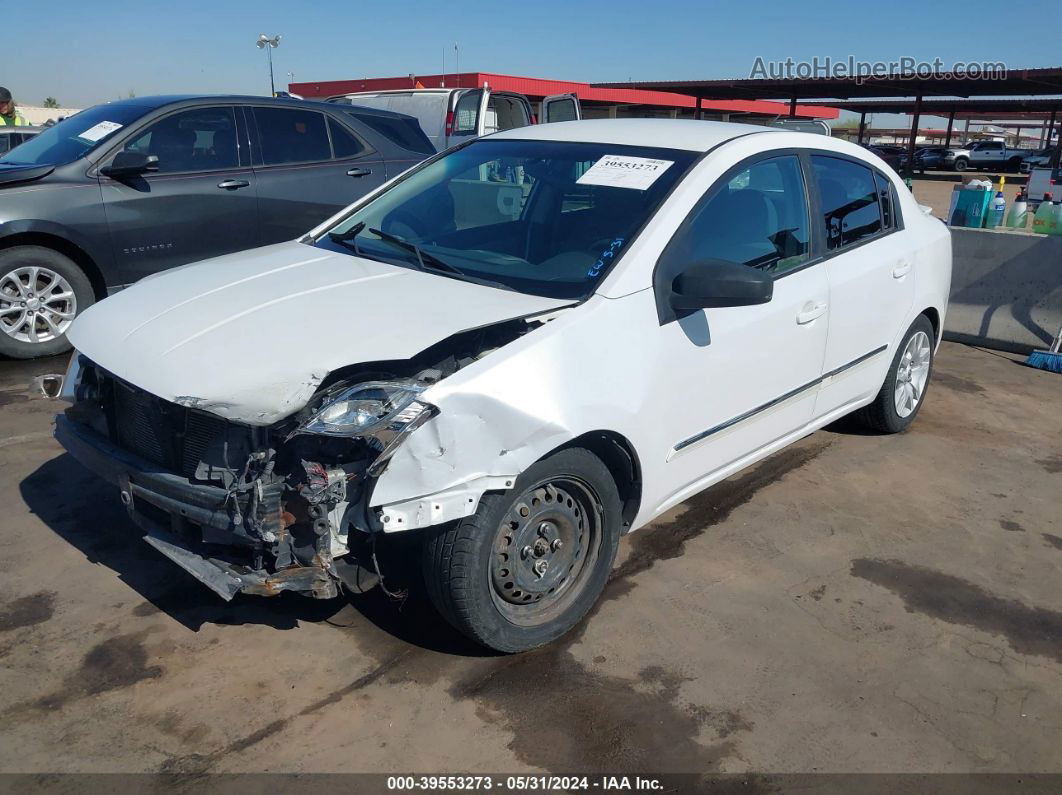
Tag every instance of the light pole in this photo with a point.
(269, 44)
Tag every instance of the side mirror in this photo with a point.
(718, 283)
(127, 163)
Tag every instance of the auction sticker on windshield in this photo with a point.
(621, 171)
(98, 131)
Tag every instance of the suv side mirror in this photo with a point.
(127, 163)
(718, 283)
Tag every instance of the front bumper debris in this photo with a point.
(165, 506)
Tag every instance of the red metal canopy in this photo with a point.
(536, 88)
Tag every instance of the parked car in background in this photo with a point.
(895, 156)
(450, 116)
(929, 157)
(126, 189)
(10, 137)
(985, 154)
(521, 350)
(1036, 159)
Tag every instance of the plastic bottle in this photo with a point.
(1055, 227)
(1019, 212)
(996, 211)
(1045, 216)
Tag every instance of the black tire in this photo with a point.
(465, 563)
(18, 257)
(1014, 165)
(881, 415)
(961, 164)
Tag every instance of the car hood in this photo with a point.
(11, 173)
(250, 336)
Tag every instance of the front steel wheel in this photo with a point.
(530, 563)
(543, 548)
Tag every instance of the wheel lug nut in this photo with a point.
(526, 551)
(540, 567)
(557, 544)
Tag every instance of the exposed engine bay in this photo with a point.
(263, 509)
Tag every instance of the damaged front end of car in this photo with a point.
(263, 509)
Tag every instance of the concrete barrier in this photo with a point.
(1006, 289)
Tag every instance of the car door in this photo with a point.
(745, 376)
(308, 165)
(200, 203)
(560, 107)
(870, 268)
(990, 153)
(468, 117)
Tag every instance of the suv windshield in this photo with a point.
(542, 217)
(76, 136)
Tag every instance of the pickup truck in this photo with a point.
(985, 154)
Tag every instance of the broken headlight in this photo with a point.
(386, 411)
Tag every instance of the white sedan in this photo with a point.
(521, 349)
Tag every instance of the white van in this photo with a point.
(449, 116)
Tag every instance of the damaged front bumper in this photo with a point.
(194, 526)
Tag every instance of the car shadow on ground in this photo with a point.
(850, 425)
(86, 512)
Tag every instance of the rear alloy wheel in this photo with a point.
(530, 563)
(41, 292)
(905, 386)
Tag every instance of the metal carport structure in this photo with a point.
(1038, 83)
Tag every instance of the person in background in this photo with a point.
(9, 116)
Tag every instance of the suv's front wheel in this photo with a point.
(530, 563)
(41, 291)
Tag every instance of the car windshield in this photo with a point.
(542, 217)
(76, 136)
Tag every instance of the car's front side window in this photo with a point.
(201, 139)
(849, 200)
(759, 218)
(543, 217)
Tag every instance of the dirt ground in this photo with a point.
(854, 603)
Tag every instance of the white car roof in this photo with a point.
(690, 134)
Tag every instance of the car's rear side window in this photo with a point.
(344, 144)
(885, 199)
(849, 199)
(407, 133)
(290, 135)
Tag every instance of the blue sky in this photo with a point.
(87, 53)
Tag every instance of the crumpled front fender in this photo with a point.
(477, 443)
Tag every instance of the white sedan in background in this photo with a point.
(520, 349)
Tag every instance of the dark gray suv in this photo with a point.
(123, 190)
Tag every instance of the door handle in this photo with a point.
(901, 269)
(359, 172)
(232, 184)
(810, 312)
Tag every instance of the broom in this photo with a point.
(1050, 360)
